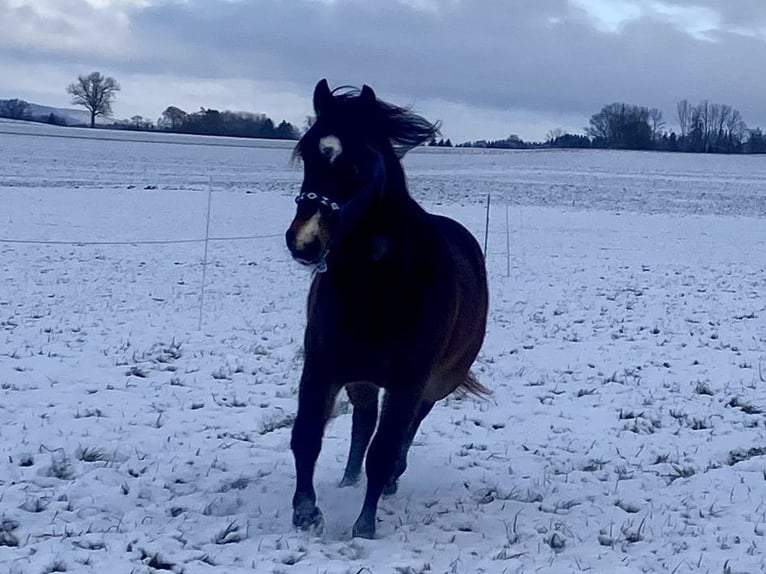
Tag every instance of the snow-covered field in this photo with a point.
(626, 349)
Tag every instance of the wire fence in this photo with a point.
(513, 235)
(205, 239)
(79, 243)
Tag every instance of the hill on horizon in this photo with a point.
(73, 117)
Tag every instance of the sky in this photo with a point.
(485, 68)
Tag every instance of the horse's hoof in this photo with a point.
(391, 487)
(348, 481)
(364, 528)
(309, 520)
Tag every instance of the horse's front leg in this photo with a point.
(364, 398)
(316, 397)
(397, 415)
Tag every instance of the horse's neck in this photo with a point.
(389, 231)
(399, 214)
(398, 208)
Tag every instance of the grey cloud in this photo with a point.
(545, 58)
(747, 13)
(491, 53)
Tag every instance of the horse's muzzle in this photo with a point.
(307, 252)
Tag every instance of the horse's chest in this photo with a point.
(376, 315)
(371, 312)
(370, 338)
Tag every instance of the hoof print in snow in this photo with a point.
(7, 536)
(57, 566)
(556, 542)
(155, 561)
(136, 371)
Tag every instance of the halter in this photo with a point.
(351, 209)
(321, 199)
(321, 265)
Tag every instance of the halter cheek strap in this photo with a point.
(353, 211)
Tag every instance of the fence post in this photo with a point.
(486, 226)
(507, 237)
(204, 258)
(521, 234)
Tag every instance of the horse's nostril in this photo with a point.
(305, 252)
(311, 251)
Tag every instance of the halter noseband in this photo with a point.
(321, 199)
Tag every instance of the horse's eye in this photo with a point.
(354, 175)
(347, 170)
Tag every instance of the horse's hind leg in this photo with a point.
(401, 462)
(364, 398)
(399, 410)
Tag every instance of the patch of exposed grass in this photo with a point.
(229, 535)
(702, 388)
(740, 455)
(60, 468)
(89, 454)
(745, 407)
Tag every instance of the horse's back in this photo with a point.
(465, 276)
(462, 251)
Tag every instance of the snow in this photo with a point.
(626, 350)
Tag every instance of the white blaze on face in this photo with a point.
(330, 147)
(308, 232)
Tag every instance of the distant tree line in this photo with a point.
(704, 128)
(173, 119)
(208, 121)
(440, 143)
(14, 109)
(96, 93)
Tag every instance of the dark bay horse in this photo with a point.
(399, 300)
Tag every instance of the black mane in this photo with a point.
(403, 128)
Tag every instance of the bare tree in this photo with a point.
(95, 93)
(705, 113)
(656, 122)
(554, 134)
(621, 126)
(684, 110)
(736, 127)
(141, 123)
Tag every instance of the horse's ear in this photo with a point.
(322, 97)
(367, 96)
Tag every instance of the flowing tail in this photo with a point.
(472, 386)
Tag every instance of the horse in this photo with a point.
(398, 299)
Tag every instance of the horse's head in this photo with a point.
(342, 173)
(348, 156)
